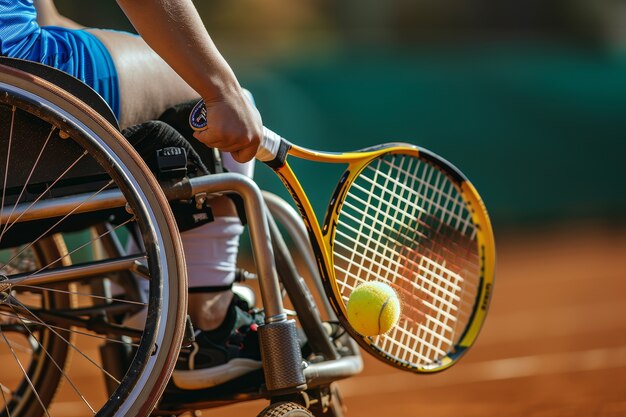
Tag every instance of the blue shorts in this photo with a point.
(77, 52)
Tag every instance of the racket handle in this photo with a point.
(272, 150)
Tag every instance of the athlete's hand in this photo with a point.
(233, 125)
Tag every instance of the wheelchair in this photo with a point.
(72, 184)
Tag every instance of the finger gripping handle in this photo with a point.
(272, 150)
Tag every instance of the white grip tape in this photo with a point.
(268, 149)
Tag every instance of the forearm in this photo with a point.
(175, 31)
(48, 15)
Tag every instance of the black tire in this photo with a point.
(30, 103)
(285, 409)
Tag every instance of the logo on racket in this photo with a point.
(197, 117)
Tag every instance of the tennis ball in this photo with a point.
(373, 308)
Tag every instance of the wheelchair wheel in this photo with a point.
(63, 169)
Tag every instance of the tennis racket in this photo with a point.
(404, 216)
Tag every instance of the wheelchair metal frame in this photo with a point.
(286, 375)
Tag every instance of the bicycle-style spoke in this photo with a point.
(62, 219)
(19, 363)
(44, 192)
(84, 294)
(18, 346)
(30, 174)
(72, 345)
(67, 255)
(84, 245)
(6, 166)
(71, 330)
(21, 263)
(67, 378)
(4, 390)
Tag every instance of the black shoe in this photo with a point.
(223, 354)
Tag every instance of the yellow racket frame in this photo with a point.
(322, 239)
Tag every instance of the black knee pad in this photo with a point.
(157, 141)
(150, 137)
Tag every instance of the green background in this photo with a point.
(528, 101)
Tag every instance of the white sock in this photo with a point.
(211, 252)
(211, 255)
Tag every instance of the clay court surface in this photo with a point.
(554, 343)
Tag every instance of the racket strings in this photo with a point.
(432, 290)
(405, 223)
(386, 225)
(380, 231)
(438, 192)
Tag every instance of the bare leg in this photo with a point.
(148, 85)
(208, 310)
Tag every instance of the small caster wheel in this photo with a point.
(285, 409)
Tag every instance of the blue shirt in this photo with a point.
(77, 52)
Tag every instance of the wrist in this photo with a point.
(220, 87)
